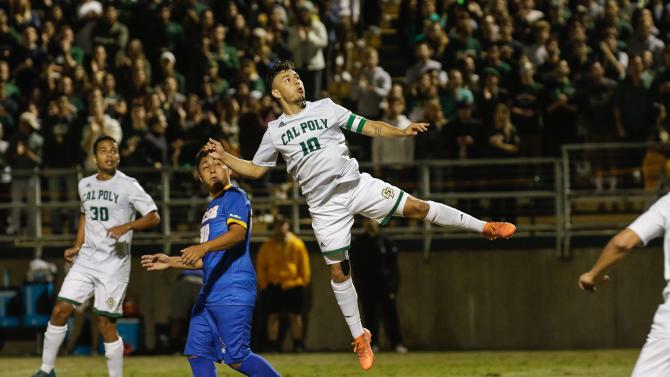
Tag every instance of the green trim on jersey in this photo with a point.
(73, 302)
(350, 121)
(360, 125)
(337, 251)
(395, 206)
(107, 314)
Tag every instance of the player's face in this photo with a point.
(107, 156)
(214, 174)
(287, 86)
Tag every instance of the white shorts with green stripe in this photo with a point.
(332, 220)
(81, 283)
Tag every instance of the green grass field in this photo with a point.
(592, 363)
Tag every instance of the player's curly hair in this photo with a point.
(278, 67)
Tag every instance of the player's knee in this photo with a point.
(107, 327)
(416, 209)
(339, 272)
(61, 312)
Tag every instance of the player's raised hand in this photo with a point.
(71, 253)
(215, 149)
(415, 128)
(192, 254)
(118, 231)
(155, 262)
(588, 282)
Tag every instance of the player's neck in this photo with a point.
(216, 193)
(293, 108)
(105, 175)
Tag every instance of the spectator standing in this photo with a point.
(632, 104)
(283, 273)
(62, 130)
(562, 110)
(98, 124)
(307, 39)
(374, 264)
(25, 153)
(391, 154)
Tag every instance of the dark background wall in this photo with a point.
(492, 299)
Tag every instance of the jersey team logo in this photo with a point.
(388, 193)
(110, 302)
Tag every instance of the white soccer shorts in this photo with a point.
(654, 359)
(81, 283)
(332, 220)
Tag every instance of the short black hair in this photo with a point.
(279, 220)
(199, 156)
(100, 139)
(279, 67)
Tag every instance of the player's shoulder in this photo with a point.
(324, 102)
(86, 181)
(234, 194)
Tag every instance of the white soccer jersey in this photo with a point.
(313, 147)
(106, 204)
(655, 223)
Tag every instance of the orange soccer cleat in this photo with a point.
(498, 230)
(362, 347)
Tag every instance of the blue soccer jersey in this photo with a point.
(229, 276)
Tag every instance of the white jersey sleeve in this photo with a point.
(266, 155)
(651, 224)
(344, 118)
(139, 199)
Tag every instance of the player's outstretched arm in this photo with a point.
(72, 252)
(615, 250)
(374, 128)
(147, 221)
(242, 167)
(159, 262)
(235, 234)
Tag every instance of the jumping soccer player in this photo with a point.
(220, 327)
(101, 254)
(654, 360)
(309, 138)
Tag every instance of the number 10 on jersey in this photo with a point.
(310, 145)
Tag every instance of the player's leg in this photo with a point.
(381, 201)
(654, 359)
(233, 323)
(274, 300)
(294, 305)
(203, 346)
(108, 307)
(332, 224)
(77, 288)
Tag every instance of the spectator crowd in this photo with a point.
(495, 78)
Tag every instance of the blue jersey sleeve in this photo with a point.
(238, 210)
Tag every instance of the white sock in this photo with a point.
(442, 214)
(53, 338)
(347, 298)
(114, 355)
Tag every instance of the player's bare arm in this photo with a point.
(72, 252)
(376, 128)
(159, 262)
(236, 233)
(615, 250)
(242, 167)
(147, 221)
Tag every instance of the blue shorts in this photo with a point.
(221, 332)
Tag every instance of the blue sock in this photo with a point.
(202, 367)
(256, 366)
